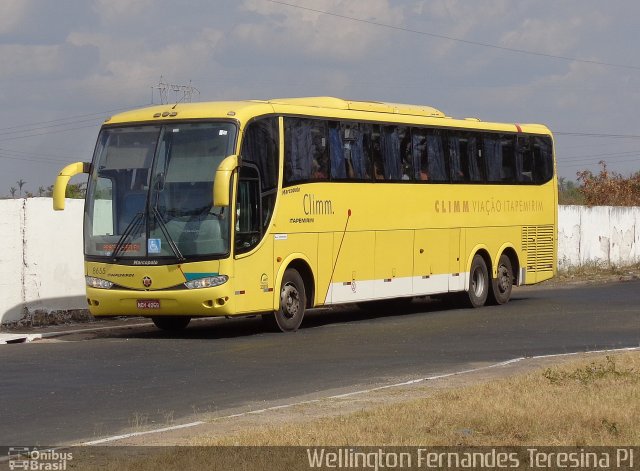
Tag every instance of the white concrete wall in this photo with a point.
(41, 258)
(602, 235)
(11, 236)
(41, 250)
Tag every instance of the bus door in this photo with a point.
(253, 251)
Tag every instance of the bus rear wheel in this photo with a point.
(171, 323)
(503, 283)
(293, 300)
(478, 282)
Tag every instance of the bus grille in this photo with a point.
(537, 242)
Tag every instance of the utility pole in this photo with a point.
(181, 93)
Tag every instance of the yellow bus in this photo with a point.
(274, 207)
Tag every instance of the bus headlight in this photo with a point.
(98, 282)
(207, 282)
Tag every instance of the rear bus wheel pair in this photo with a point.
(481, 289)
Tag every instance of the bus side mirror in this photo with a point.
(223, 180)
(62, 180)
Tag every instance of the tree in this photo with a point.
(13, 191)
(569, 192)
(609, 188)
(76, 190)
(21, 183)
(41, 191)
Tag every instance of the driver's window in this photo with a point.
(248, 227)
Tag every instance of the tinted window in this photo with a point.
(396, 153)
(306, 150)
(260, 147)
(436, 162)
(464, 159)
(524, 160)
(350, 150)
(499, 155)
(543, 159)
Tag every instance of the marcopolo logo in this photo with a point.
(38, 460)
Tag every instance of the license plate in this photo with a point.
(148, 304)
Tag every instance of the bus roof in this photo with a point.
(315, 106)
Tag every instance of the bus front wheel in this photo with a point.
(478, 282)
(171, 323)
(293, 300)
(503, 283)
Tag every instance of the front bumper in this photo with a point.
(205, 302)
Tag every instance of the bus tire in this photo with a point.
(171, 323)
(293, 300)
(479, 284)
(503, 283)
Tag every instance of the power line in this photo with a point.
(28, 159)
(596, 156)
(459, 40)
(599, 135)
(48, 132)
(17, 155)
(4, 150)
(37, 123)
(50, 126)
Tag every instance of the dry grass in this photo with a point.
(592, 403)
(586, 403)
(598, 272)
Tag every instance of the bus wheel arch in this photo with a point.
(303, 268)
(293, 295)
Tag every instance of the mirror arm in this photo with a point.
(62, 180)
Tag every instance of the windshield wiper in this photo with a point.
(163, 228)
(133, 225)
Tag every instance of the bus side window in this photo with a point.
(391, 154)
(375, 149)
(339, 153)
(356, 159)
(458, 161)
(306, 150)
(474, 156)
(508, 172)
(419, 147)
(260, 147)
(524, 160)
(437, 164)
(363, 152)
(499, 155)
(543, 159)
(406, 160)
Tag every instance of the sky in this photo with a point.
(66, 65)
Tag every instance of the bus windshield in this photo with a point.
(150, 192)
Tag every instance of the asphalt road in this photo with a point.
(85, 388)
